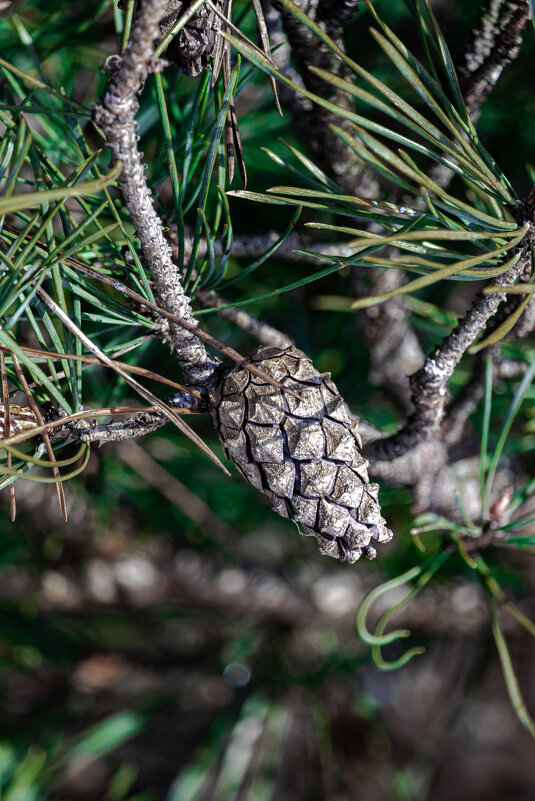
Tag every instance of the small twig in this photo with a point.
(83, 427)
(472, 545)
(70, 422)
(264, 333)
(462, 407)
(495, 45)
(116, 117)
(119, 430)
(250, 246)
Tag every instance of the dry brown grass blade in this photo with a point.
(232, 134)
(233, 145)
(39, 417)
(7, 428)
(141, 390)
(229, 131)
(94, 360)
(264, 38)
(222, 45)
(236, 31)
(232, 354)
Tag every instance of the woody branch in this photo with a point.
(115, 116)
(429, 385)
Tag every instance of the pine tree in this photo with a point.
(155, 230)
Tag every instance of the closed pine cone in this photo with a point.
(302, 452)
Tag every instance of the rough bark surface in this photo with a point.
(115, 115)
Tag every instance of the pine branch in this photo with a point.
(495, 45)
(429, 385)
(83, 426)
(116, 117)
(250, 246)
(379, 325)
(299, 107)
(488, 55)
(407, 470)
(137, 426)
(119, 430)
(329, 151)
(392, 344)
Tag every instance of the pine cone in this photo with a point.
(302, 452)
(195, 43)
(21, 418)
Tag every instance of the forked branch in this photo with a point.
(429, 385)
